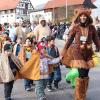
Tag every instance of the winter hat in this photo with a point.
(41, 19)
(43, 39)
(49, 38)
(7, 47)
(6, 32)
(33, 37)
(40, 45)
(80, 11)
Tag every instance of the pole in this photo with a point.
(66, 9)
(53, 14)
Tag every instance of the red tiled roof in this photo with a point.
(60, 3)
(8, 4)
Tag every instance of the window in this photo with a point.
(2, 12)
(17, 18)
(17, 11)
(25, 0)
(6, 11)
(21, 11)
(12, 11)
(22, 5)
(11, 15)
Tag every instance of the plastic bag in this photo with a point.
(72, 75)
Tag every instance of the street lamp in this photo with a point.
(66, 9)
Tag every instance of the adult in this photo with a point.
(21, 31)
(42, 30)
(9, 66)
(12, 32)
(79, 54)
(0, 29)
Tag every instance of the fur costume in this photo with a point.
(76, 54)
(80, 53)
(81, 88)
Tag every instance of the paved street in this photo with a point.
(64, 93)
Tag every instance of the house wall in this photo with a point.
(22, 11)
(7, 16)
(60, 13)
(34, 16)
(70, 11)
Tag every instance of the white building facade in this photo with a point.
(21, 10)
(96, 12)
(34, 16)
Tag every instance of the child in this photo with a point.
(37, 69)
(9, 65)
(4, 40)
(34, 42)
(55, 76)
(24, 56)
(17, 47)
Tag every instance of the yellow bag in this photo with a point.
(95, 59)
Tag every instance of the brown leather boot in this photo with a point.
(86, 84)
(81, 88)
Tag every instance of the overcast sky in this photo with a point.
(95, 11)
(38, 2)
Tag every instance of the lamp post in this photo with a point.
(66, 10)
(53, 14)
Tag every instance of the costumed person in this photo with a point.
(79, 54)
(4, 39)
(73, 72)
(37, 69)
(17, 46)
(97, 26)
(12, 33)
(1, 29)
(34, 42)
(21, 31)
(9, 66)
(55, 76)
(24, 55)
(42, 30)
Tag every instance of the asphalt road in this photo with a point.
(65, 91)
